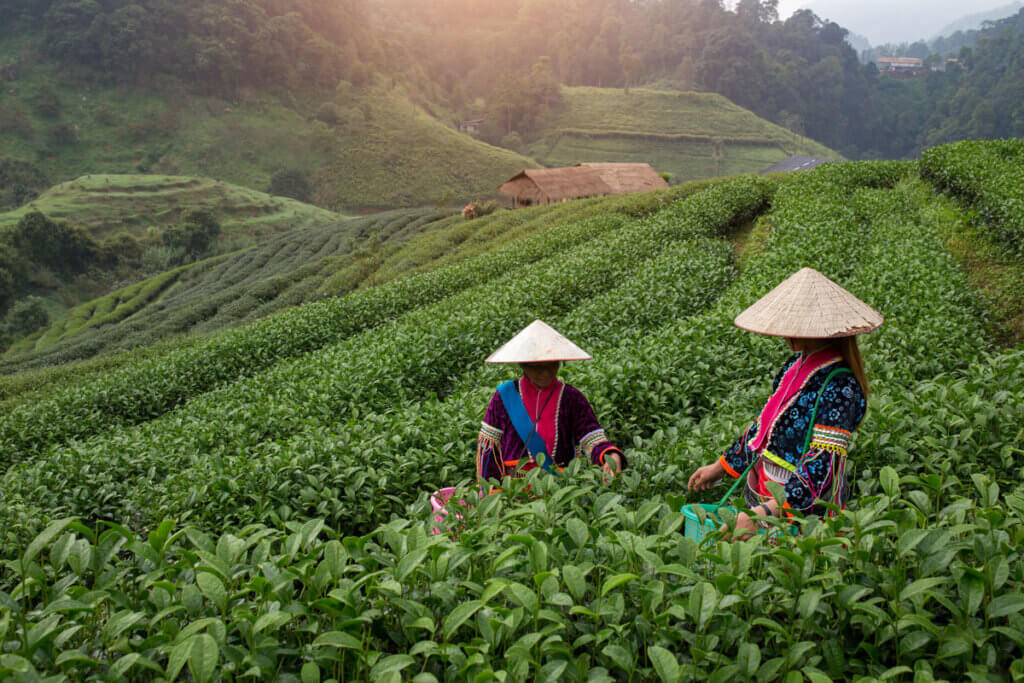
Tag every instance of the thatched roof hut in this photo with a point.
(547, 185)
(624, 178)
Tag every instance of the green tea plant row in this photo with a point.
(575, 585)
(149, 389)
(921, 579)
(317, 392)
(358, 476)
(987, 174)
(216, 295)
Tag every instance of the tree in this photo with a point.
(25, 317)
(291, 182)
(632, 67)
(54, 244)
(195, 236)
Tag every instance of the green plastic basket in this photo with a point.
(693, 527)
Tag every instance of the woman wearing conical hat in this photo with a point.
(801, 436)
(538, 420)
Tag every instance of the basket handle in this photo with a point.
(736, 483)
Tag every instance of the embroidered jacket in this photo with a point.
(577, 434)
(808, 459)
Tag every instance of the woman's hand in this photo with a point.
(745, 527)
(612, 466)
(705, 477)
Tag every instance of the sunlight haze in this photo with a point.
(883, 21)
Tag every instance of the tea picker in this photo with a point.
(537, 421)
(801, 438)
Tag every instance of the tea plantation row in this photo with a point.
(310, 557)
(419, 353)
(149, 388)
(989, 176)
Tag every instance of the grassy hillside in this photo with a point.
(108, 204)
(369, 147)
(271, 512)
(690, 135)
(304, 265)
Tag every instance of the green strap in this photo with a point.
(810, 432)
(736, 483)
(817, 402)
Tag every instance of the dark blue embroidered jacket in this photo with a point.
(814, 454)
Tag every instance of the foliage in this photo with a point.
(291, 182)
(57, 245)
(25, 317)
(988, 175)
(195, 236)
(302, 544)
(20, 183)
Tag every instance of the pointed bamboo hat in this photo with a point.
(538, 342)
(809, 305)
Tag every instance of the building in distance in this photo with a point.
(532, 187)
(796, 163)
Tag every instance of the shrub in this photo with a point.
(195, 237)
(330, 113)
(160, 258)
(293, 183)
(512, 141)
(57, 245)
(46, 103)
(25, 317)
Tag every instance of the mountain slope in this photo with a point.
(369, 147)
(892, 22)
(975, 21)
(690, 135)
(107, 204)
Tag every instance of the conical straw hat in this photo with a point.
(537, 343)
(809, 305)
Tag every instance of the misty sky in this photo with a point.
(884, 21)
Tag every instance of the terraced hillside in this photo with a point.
(232, 511)
(690, 135)
(108, 204)
(303, 265)
(405, 155)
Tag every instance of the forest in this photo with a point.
(503, 62)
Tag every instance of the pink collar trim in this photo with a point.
(789, 387)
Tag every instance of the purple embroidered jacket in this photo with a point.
(577, 434)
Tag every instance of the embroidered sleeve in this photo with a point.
(591, 441)
(739, 456)
(488, 452)
(488, 443)
(821, 472)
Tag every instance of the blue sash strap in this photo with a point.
(524, 426)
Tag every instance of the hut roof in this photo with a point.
(560, 183)
(796, 163)
(623, 178)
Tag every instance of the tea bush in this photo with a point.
(279, 527)
(988, 174)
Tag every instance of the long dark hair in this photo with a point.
(848, 349)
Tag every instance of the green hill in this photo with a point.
(369, 147)
(260, 500)
(109, 204)
(690, 135)
(303, 265)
